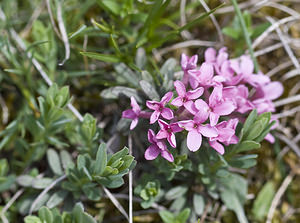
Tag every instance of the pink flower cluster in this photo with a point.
(219, 87)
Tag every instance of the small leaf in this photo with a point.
(176, 192)
(114, 92)
(247, 145)
(149, 90)
(101, 160)
(66, 159)
(167, 216)
(54, 162)
(256, 129)
(45, 215)
(199, 204)
(25, 180)
(32, 219)
(103, 57)
(250, 120)
(263, 201)
(232, 32)
(56, 198)
(118, 155)
(244, 162)
(41, 183)
(183, 216)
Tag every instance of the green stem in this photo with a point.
(245, 32)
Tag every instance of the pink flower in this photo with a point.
(158, 147)
(185, 98)
(226, 135)
(188, 64)
(159, 108)
(204, 76)
(132, 113)
(167, 131)
(196, 130)
(239, 95)
(216, 107)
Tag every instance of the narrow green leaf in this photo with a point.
(103, 57)
(245, 32)
(250, 120)
(199, 19)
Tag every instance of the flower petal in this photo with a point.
(208, 131)
(154, 117)
(195, 94)
(210, 55)
(201, 105)
(175, 127)
(213, 118)
(187, 124)
(167, 113)
(167, 155)
(153, 105)
(180, 88)
(217, 146)
(177, 102)
(171, 139)
(130, 114)
(166, 98)
(152, 152)
(224, 108)
(163, 124)
(135, 107)
(190, 106)
(194, 140)
(134, 123)
(247, 66)
(151, 136)
(184, 61)
(162, 134)
(201, 116)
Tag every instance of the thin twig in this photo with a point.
(285, 44)
(9, 204)
(290, 143)
(288, 100)
(266, 33)
(185, 33)
(268, 49)
(278, 68)
(52, 19)
(63, 32)
(278, 195)
(33, 17)
(45, 191)
(188, 43)
(214, 20)
(116, 203)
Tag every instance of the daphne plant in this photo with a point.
(210, 102)
(219, 111)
